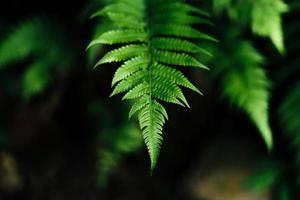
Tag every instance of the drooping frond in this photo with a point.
(244, 82)
(154, 37)
(264, 16)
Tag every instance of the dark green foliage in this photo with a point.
(243, 80)
(41, 41)
(154, 37)
(115, 140)
(264, 16)
(117, 143)
(289, 113)
(289, 108)
(269, 173)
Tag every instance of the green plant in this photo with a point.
(40, 40)
(116, 140)
(156, 37)
(243, 80)
(264, 16)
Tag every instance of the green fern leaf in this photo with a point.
(174, 44)
(178, 59)
(129, 82)
(169, 88)
(123, 53)
(178, 30)
(151, 120)
(137, 106)
(124, 20)
(152, 32)
(266, 20)
(245, 83)
(174, 75)
(120, 36)
(138, 91)
(252, 95)
(129, 67)
(264, 16)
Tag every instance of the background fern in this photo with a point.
(38, 39)
(243, 80)
(264, 16)
(116, 140)
(147, 73)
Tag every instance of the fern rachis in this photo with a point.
(153, 35)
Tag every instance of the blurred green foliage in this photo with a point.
(42, 41)
(264, 16)
(115, 139)
(236, 66)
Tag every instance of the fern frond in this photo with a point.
(152, 119)
(152, 33)
(266, 21)
(264, 16)
(244, 82)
